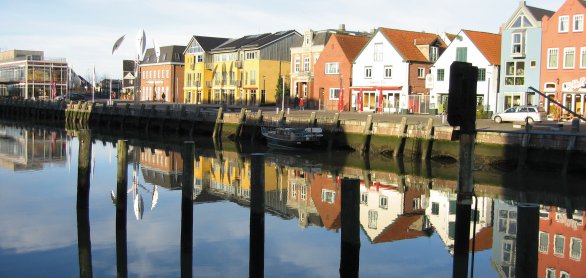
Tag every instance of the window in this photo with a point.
(575, 248)
(334, 93)
(306, 64)
(533, 64)
(435, 208)
(507, 254)
(550, 273)
(481, 74)
(461, 54)
(332, 68)
(372, 219)
(364, 198)
(578, 23)
(569, 54)
(552, 58)
(378, 52)
(558, 244)
(388, 71)
(522, 22)
(199, 58)
(440, 74)
(583, 57)
(563, 24)
(515, 73)
(420, 73)
(383, 202)
(433, 54)
(297, 64)
(543, 242)
(367, 72)
(564, 274)
(518, 44)
(328, 196)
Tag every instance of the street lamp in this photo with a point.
(264, 92)
(283, 94)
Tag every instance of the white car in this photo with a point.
(521, 114)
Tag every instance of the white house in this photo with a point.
(388, 75)
(482, 50)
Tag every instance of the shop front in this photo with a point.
(376, 99)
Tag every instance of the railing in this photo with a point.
(556, 103)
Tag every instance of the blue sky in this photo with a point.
(84, 31)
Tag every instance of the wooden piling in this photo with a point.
(241, 122)
(403, 129)
(428, 140)
(218, 124)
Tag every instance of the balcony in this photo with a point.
(238, 64)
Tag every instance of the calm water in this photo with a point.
(274, 214)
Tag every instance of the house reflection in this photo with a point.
(161, 168)
(23, 149)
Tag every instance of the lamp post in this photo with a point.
(264, 92)
(283, 94)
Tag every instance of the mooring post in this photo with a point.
(368, 134)
(313, 119)
(257, 216)
(241, 122)
(218, 124)
(256, 128)
(350, 222)
(527, 238)
(187, 154)
(83, 193)
(428, 142)
(121, 199)
(334, 131)
(403, 140)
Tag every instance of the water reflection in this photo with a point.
(363, 207)
(23, 149)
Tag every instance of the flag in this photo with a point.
(118, 43)
(94, 78)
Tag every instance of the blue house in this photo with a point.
(520, 57)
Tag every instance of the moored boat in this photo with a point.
(292, 138)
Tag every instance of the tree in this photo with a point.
(279, 91)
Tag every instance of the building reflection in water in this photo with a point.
(24, 149)
(391, 207)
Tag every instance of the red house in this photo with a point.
(563, 56)
(333, 71)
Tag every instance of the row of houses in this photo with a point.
(386, 70)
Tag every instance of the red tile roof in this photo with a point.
(489, 45)
(404, 227)
(405, 42)
(351, 45)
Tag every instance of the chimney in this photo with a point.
(342, 27)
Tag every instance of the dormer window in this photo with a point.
(433, 53)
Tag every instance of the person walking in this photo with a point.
(301, 103)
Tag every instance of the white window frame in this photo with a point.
(421, 73)
(580, 26)
(383, 202)
(572, 239)
(568, 50)
(521, 43)
(582, 57)
(378, 52)
(443, 75)
(546, 243)
(306, 64)
(564, 19)
(388, 72)
(555, 251)
(433, 53)
(332, 68)
(297, 66)
(367, 72)
(550, 272)
(334, 93)
(550, 51)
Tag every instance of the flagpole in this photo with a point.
(94, 84)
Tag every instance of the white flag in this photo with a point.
(118, 43)
(94, 77)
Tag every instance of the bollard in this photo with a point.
(575, 125)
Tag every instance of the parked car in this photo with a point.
(76, 96)
(520, 114)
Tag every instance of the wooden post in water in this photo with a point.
(368, 134)
(257, 216)
(84, 242)
(527, 240)
(187, 155)
(121, 201)
(313, 119)
(428, 142)
(403, 129)
(350, 235)
(218, 124)
(241, 122)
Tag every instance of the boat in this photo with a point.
(292, 138)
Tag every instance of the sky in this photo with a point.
(84, 31)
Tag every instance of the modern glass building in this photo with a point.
(27, 74)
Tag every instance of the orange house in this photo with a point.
(563, 56)
(333, 71)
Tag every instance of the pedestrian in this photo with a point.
(163, 97)
(296, 102)
(301, 103)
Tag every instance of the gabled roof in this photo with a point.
(538, 13)
(167, 55)
(252, 41)
(406, 226)
(489, 45)
(351, 45)
(206, 43)
(405, 42)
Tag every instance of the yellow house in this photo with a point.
(198, 68)
(246, 70)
